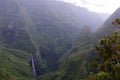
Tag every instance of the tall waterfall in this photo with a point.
(33, 65)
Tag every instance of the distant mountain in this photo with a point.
(104, 16)
(76, 63)
(62, 12)
(107, 26)
(45, 28)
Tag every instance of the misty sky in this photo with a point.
(102, 6)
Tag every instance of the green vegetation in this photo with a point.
(52, 35)
(14, 65)
(75, 64)
(23, 27)
(80, 62)
(108, 61)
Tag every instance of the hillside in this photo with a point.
(82, 52)
(76, 63)
(107, 27)
(14, 65)
(45, 28)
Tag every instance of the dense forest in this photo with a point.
(55, 40)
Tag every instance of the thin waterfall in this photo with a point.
(33, 65)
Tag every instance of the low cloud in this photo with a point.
(102, 6)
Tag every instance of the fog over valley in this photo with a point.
(59, 40)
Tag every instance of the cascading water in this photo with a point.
(33, 65)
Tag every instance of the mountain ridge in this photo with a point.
(47, 30)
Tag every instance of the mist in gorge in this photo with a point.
(58, 40)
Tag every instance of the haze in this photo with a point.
(101, 6)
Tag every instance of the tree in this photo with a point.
(109, 53)
(108, 61)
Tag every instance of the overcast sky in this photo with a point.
(102, 6)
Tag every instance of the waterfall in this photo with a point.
(33, 65)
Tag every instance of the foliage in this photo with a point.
(108, 61)
(108, 52)
(99, 76)
(52, 35)
(14, 65)
(53, 30)
(76, 64)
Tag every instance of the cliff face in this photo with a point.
(76, 63)
(107, 27)
(45, 28)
